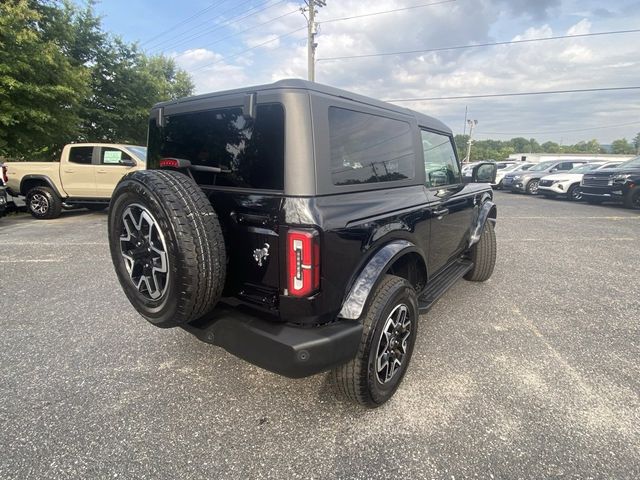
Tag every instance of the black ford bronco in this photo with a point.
(301, 228)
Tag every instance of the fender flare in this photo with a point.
(43, 178)
(487, 211)
(368, 278)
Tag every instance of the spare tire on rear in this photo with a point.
(166, 246)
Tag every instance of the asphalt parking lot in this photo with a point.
(534, 374)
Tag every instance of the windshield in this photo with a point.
(140, 152)
(633, 163)
(517, 167)
(542, 166)
(585, 168)
(610, 165)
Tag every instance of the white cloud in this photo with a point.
(548, 65)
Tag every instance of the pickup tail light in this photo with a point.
(303, 262)
(5, 178)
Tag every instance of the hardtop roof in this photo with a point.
(299, 84)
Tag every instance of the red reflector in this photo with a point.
(303, 262)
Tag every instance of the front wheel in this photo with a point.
(43, 203)
(532, 187)
(574, 193)
(389, 334)
(632, 199)
(483, 255)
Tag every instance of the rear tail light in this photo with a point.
(5, 179)
(303, 259)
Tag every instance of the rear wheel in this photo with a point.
(532, 187)
(43, 203)
(389, 334)
(166, 246)
(574, 193)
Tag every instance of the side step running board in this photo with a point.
(442, 283)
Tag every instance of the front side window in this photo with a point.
(249, 152)
(368, 148)
(81, 155)
(440, 163)
(112, 156)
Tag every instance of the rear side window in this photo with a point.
(369, 148)
(112, 156)
(250, 152)
(81, 155)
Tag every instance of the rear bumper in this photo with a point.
(282, 348)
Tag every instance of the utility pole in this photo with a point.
(472, 124)
(464, 125)
(312, 28)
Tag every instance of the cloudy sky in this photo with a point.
(233, 43)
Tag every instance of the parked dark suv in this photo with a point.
(302, 228)
(620, 185)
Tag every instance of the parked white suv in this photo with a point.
(567, 184)
(513, 167)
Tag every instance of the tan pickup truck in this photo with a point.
(85, 177)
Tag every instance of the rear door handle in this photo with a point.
(441, 212)
(102, 171)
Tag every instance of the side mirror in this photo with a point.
(484, 173)
(127, 162)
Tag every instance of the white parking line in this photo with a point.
(33, 260)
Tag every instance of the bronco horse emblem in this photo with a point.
(261, 254)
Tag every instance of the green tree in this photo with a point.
(40, 87)
(636, 143)
(125, 84)
(622, 146)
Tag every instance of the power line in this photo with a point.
(387, 11)
(206, 30)
(185, 21)
(518, 94)
(223, 59)
(245, 30)
(479, 45)
(231, 21)
(564, 131)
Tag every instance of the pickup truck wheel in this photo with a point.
(483, 255)
(43, 203)
(166, 246)
(389, 334)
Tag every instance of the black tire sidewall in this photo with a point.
(159, 312)
(379, 392)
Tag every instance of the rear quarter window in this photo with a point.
(368, 148)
